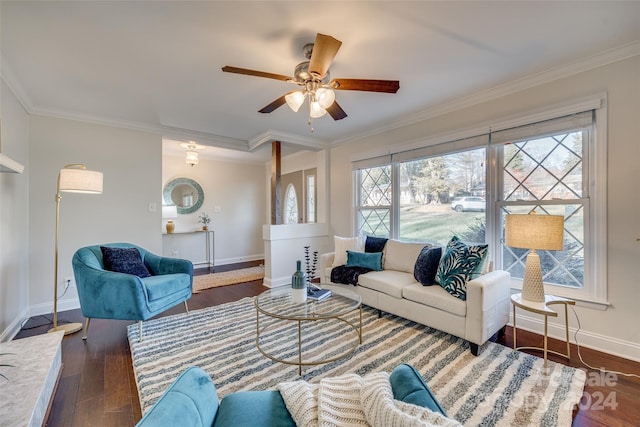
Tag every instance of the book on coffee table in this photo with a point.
(318, 294)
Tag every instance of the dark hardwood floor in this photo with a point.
(97, 386)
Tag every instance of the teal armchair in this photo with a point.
(106, 294)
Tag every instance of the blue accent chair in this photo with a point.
(107, 294)
(192, 400)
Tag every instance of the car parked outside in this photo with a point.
(464, 204)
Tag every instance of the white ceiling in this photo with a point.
(155, 65)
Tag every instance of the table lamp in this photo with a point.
(73, 178)
(170, 212)
(534, 232)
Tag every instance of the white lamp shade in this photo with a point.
(294, 100)
(325, 97)
(169, 211)
(315, 110)
(540, 232)
(80, 181)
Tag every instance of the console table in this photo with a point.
(189, 245)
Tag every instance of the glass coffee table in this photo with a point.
(323, 331)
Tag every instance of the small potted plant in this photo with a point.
(204, 219)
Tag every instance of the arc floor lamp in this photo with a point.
(75, 178)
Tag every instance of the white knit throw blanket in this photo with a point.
(352, 400)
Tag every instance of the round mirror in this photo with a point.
(185, 193)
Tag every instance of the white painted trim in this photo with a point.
(14, 85)
(278, 281)
(47, 307)
(288, 138)
(605, 344)
(235, 260)
(294, 231)
(13, 329)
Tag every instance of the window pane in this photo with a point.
(375, 186)
(544, 169)
(291, 206)
(311, 198)
(442, 196)
(374, 198)
(565, 267)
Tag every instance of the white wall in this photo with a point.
(131, 164)
(238, 190)
(617, 329)
(14, 207)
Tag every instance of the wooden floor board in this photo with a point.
(97, 386)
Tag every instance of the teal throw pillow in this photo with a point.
(370, 260)
(459, 264)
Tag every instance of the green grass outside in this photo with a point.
(435, 223)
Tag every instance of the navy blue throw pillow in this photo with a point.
(124, 260)
(427, 265)
(374, 244)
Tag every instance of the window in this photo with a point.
(442, 196)
(542, 168)
(311, 198)
(374, 201)
(433, 192)
(291, 206)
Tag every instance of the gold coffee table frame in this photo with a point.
(277, 304)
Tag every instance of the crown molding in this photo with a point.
(598, 60)
(595, 61)
(288, 138)
(14, 85)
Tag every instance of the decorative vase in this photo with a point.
(205, 228)
(170, 227)
(299, 284)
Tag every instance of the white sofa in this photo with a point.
(395, 290)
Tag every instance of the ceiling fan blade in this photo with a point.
(324, 50)
(387, 86)
(274, 105)
(336, 111)
(236, 70)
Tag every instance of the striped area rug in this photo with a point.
(498, 388)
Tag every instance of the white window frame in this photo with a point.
(593, 293)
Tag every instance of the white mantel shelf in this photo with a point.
(9, 165)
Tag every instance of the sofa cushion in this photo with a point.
(372, 261)
(389, 282)
(402, 256)
(344, 244)
(427, 265)
(436, 297)
(253, 408)
(459, 264)
(124, 260)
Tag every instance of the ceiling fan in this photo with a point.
(316, 86)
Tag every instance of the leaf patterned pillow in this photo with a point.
(460, 263)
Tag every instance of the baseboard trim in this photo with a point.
(613, 346)
(279, 281)
(235, 260)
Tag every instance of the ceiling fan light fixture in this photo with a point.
(325, 97)
(294, 100)
(315, 110)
